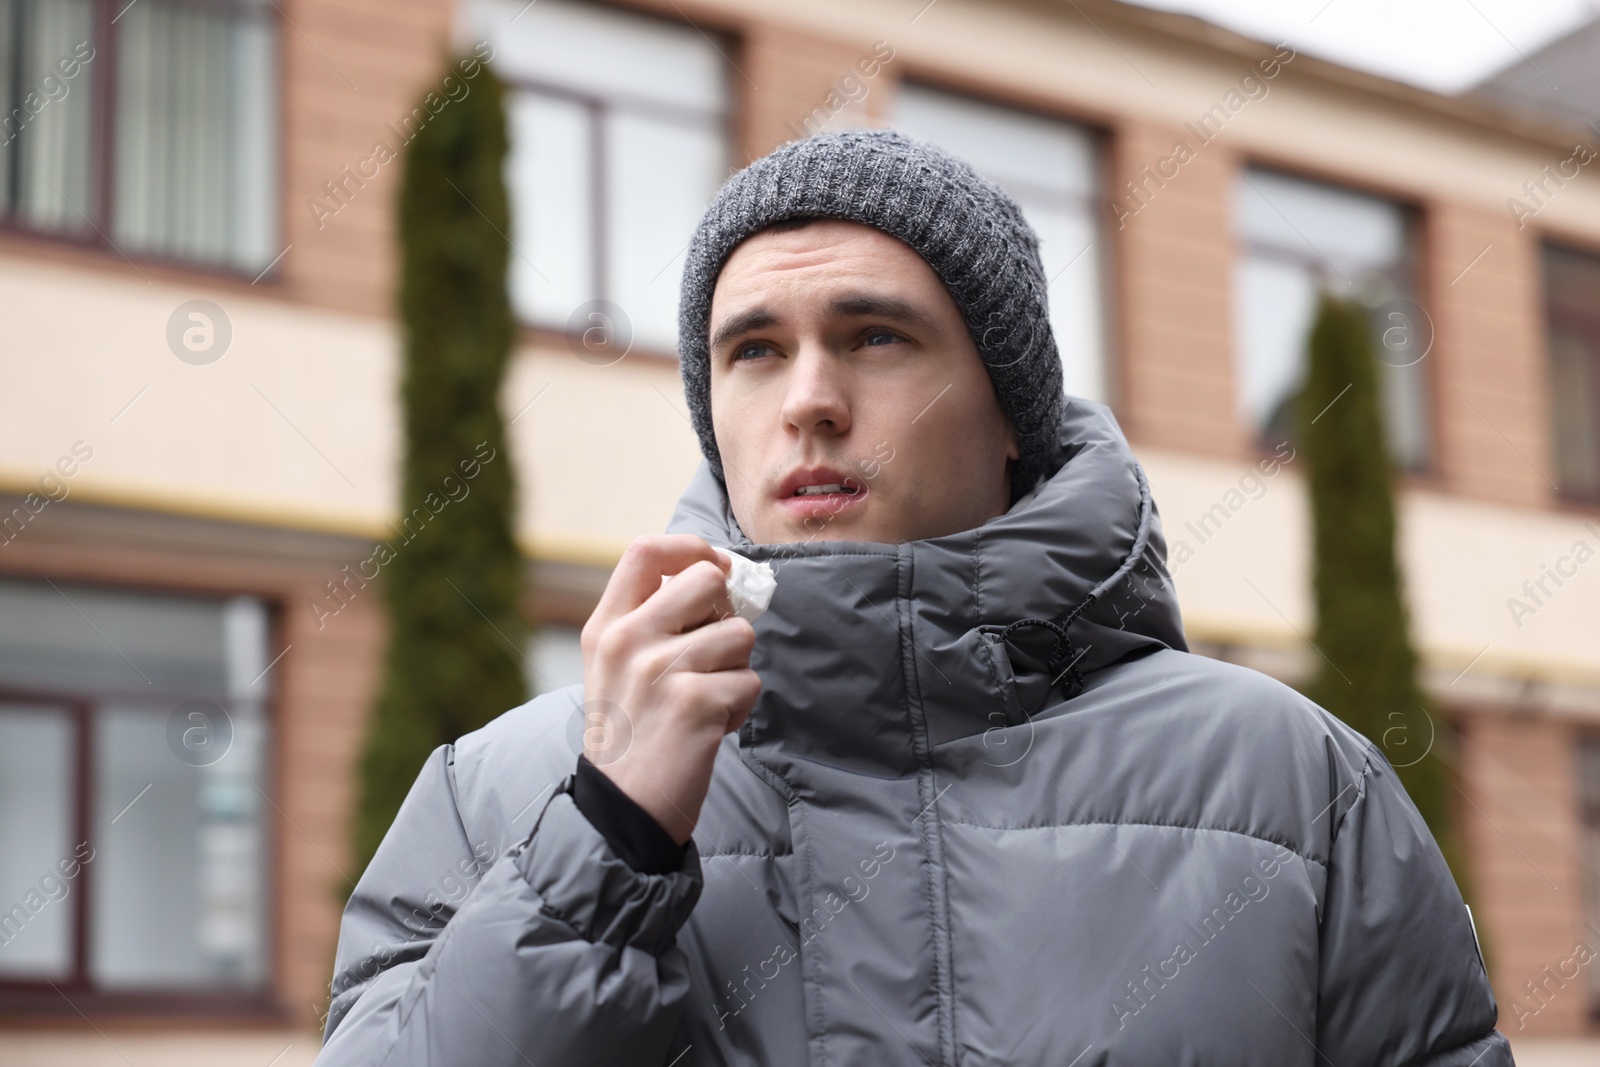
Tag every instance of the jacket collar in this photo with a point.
(872, 653)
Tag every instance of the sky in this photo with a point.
(1443, 45)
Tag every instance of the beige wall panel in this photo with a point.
(1518, 817)
(1238, 545)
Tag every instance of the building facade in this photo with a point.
(199, 434)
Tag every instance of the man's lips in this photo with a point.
(813, 476)
(847, 493)
(826, 504)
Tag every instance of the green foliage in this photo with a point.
(1369, 674)
(452, 590)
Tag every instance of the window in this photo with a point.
(133, 741)
(1299, 237)
(618, 126)
(177, 159)
(1572, 323)
(1049, 168)
(555, 657)
(1589, 799)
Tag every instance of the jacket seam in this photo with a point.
(977, 575)
(1361, 792)
(760, 853)
(932, 839)
(821, 1005)
(1141, 822)
(435, 943)
(455, 795)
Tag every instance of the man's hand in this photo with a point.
(668, 669)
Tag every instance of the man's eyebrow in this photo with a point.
(757, 318)
(888, 307)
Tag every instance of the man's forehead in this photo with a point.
(848, 304)
(854, 253)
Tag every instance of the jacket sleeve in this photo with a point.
(1402, 982)
(559, 954)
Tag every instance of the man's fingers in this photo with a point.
(638, 573)
(717, 646)
(733, 691)
(694, 598)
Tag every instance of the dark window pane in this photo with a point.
(36, 846)
(1572, 313)
(47, 97)
(1589, 801)
(178, 895)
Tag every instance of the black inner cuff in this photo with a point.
(633, 833)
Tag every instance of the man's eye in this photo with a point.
(880, 337)
(751, 350)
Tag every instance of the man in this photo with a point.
(961, 795)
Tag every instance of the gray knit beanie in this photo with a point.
(970, 232)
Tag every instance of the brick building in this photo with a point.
(199, 422)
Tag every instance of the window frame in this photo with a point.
(78, 996)
(102, 156)
(1413, 273)
(728, 123)
(1572, 246)
(597, 109)
(1587, 736)
(77, 711)
(1099, 131)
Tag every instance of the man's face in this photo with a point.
(839, 359)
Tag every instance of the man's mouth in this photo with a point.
(823, 502)
(820, 493)
(828, 487)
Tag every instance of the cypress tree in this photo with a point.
(1369, 675)
(452, 588)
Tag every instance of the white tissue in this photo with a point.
(750, 586)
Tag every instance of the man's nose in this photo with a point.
(818, 398)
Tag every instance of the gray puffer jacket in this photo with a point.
(945, 836)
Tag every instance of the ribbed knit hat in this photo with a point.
(969, 231)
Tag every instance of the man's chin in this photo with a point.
(816, 527)
(826, 517)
